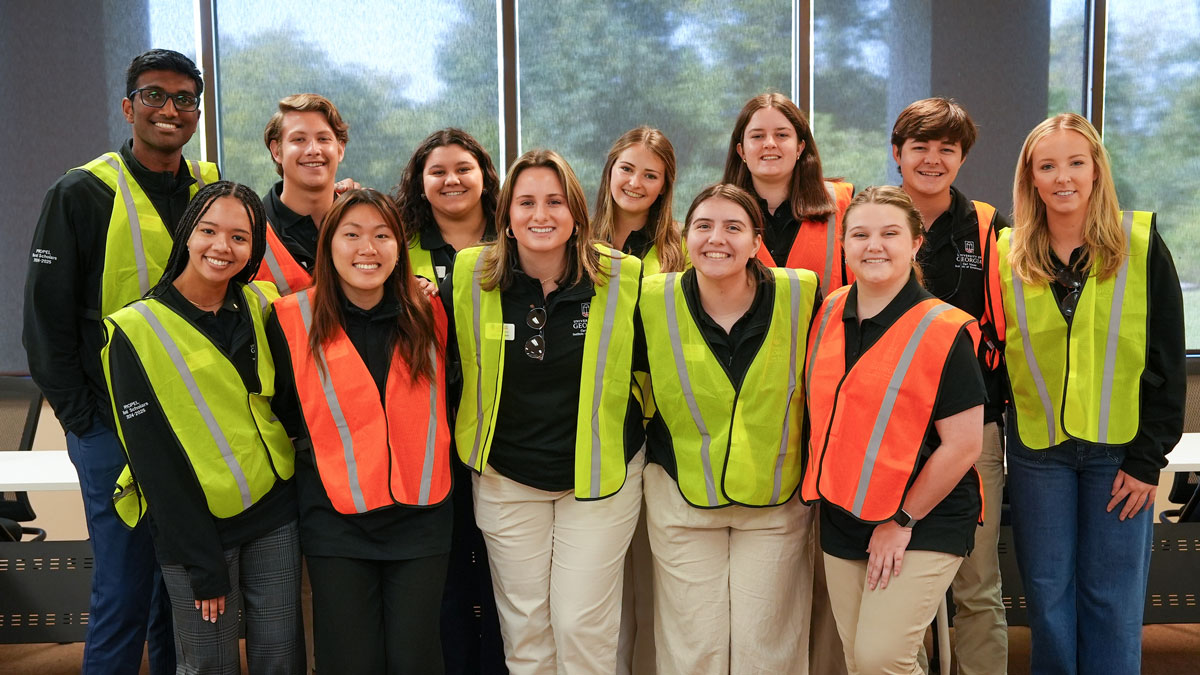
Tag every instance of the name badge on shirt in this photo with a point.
(440, 271)
(510, 332)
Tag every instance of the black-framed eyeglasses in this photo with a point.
(154, 97)
(535, 347)
(1068, 279)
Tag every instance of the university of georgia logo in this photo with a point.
(969, 246)
(584, 307)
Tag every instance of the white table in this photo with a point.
(37, 470)
(1186, 455)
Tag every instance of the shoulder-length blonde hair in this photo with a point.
(500, 258)
(890, 195)
(807, 196)
(663, 232)
(1104, 241)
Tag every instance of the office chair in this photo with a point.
(20, 406)
(1185, 488)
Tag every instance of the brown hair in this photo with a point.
(1103, 239)
(935, 119)
(743, 199)
(500, 258)
(409, 194)
(890, 195)
(304, 103)
(806, 195)
(666, 237)
(413, 330)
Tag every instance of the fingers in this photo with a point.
(874, 568)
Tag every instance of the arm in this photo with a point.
(1163, 389)
(185, 531)
(55, 298)
(958, 421)
(286, 402)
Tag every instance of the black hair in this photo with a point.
(196, 209)
(162, 59)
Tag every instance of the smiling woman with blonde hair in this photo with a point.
(1095, 357)
(543, 320)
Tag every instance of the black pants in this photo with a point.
(377, 616)
(471, 642)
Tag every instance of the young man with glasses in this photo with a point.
(102, 240)
(930, 142)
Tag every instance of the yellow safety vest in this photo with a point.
(730, 449)
(422, 262)
(605, 379)
(234, 443)
(138, 243)
(1080, 380)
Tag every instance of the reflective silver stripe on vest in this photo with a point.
(263, 302)
(335, 410)
(1035, 371)
(195, 166)
(685, 382)
(202, 406)
(135, 225)
(889, 402)
(431, 430)
(276, 271)
(606, 330)
(794, 284)
(1114, 330)
(476, 319)
(826, 312)
(830, 240)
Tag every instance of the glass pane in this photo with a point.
(591, 71)
(853, 85)
(1152, 126)
(396, 69)
(1068, 56)
(173, 26)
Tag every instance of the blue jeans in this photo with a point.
(1084, 570)
(129, 605)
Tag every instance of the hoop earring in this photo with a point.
(508, 232)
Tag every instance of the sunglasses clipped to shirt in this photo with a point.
(535, 347)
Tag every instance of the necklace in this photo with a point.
(211, 307)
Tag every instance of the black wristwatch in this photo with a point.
(904, 520)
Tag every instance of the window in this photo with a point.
(1152, 127)
(396, 69)
(590, 71)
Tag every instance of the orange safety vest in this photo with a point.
(991, 324)
(369, 457)
(280, 268)
(868, 424)
(818, 246)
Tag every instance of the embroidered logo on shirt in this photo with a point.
(43, 256)
(133, 409)
(969, 246)
(584, 308)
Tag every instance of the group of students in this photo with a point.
(794, 367)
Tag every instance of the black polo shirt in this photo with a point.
(950, 526)
(534, 439)
(298, 233)
(441, 252)
(638, 243)
(780, 230)
(953, 266)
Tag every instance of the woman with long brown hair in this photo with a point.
(773, 156)
(634, 203)
(361, 389)
(544, 325)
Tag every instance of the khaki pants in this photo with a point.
(891, 621)
(825, 653)
(635, 649)
(557, 568)
(980, 626)
(732, 586)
